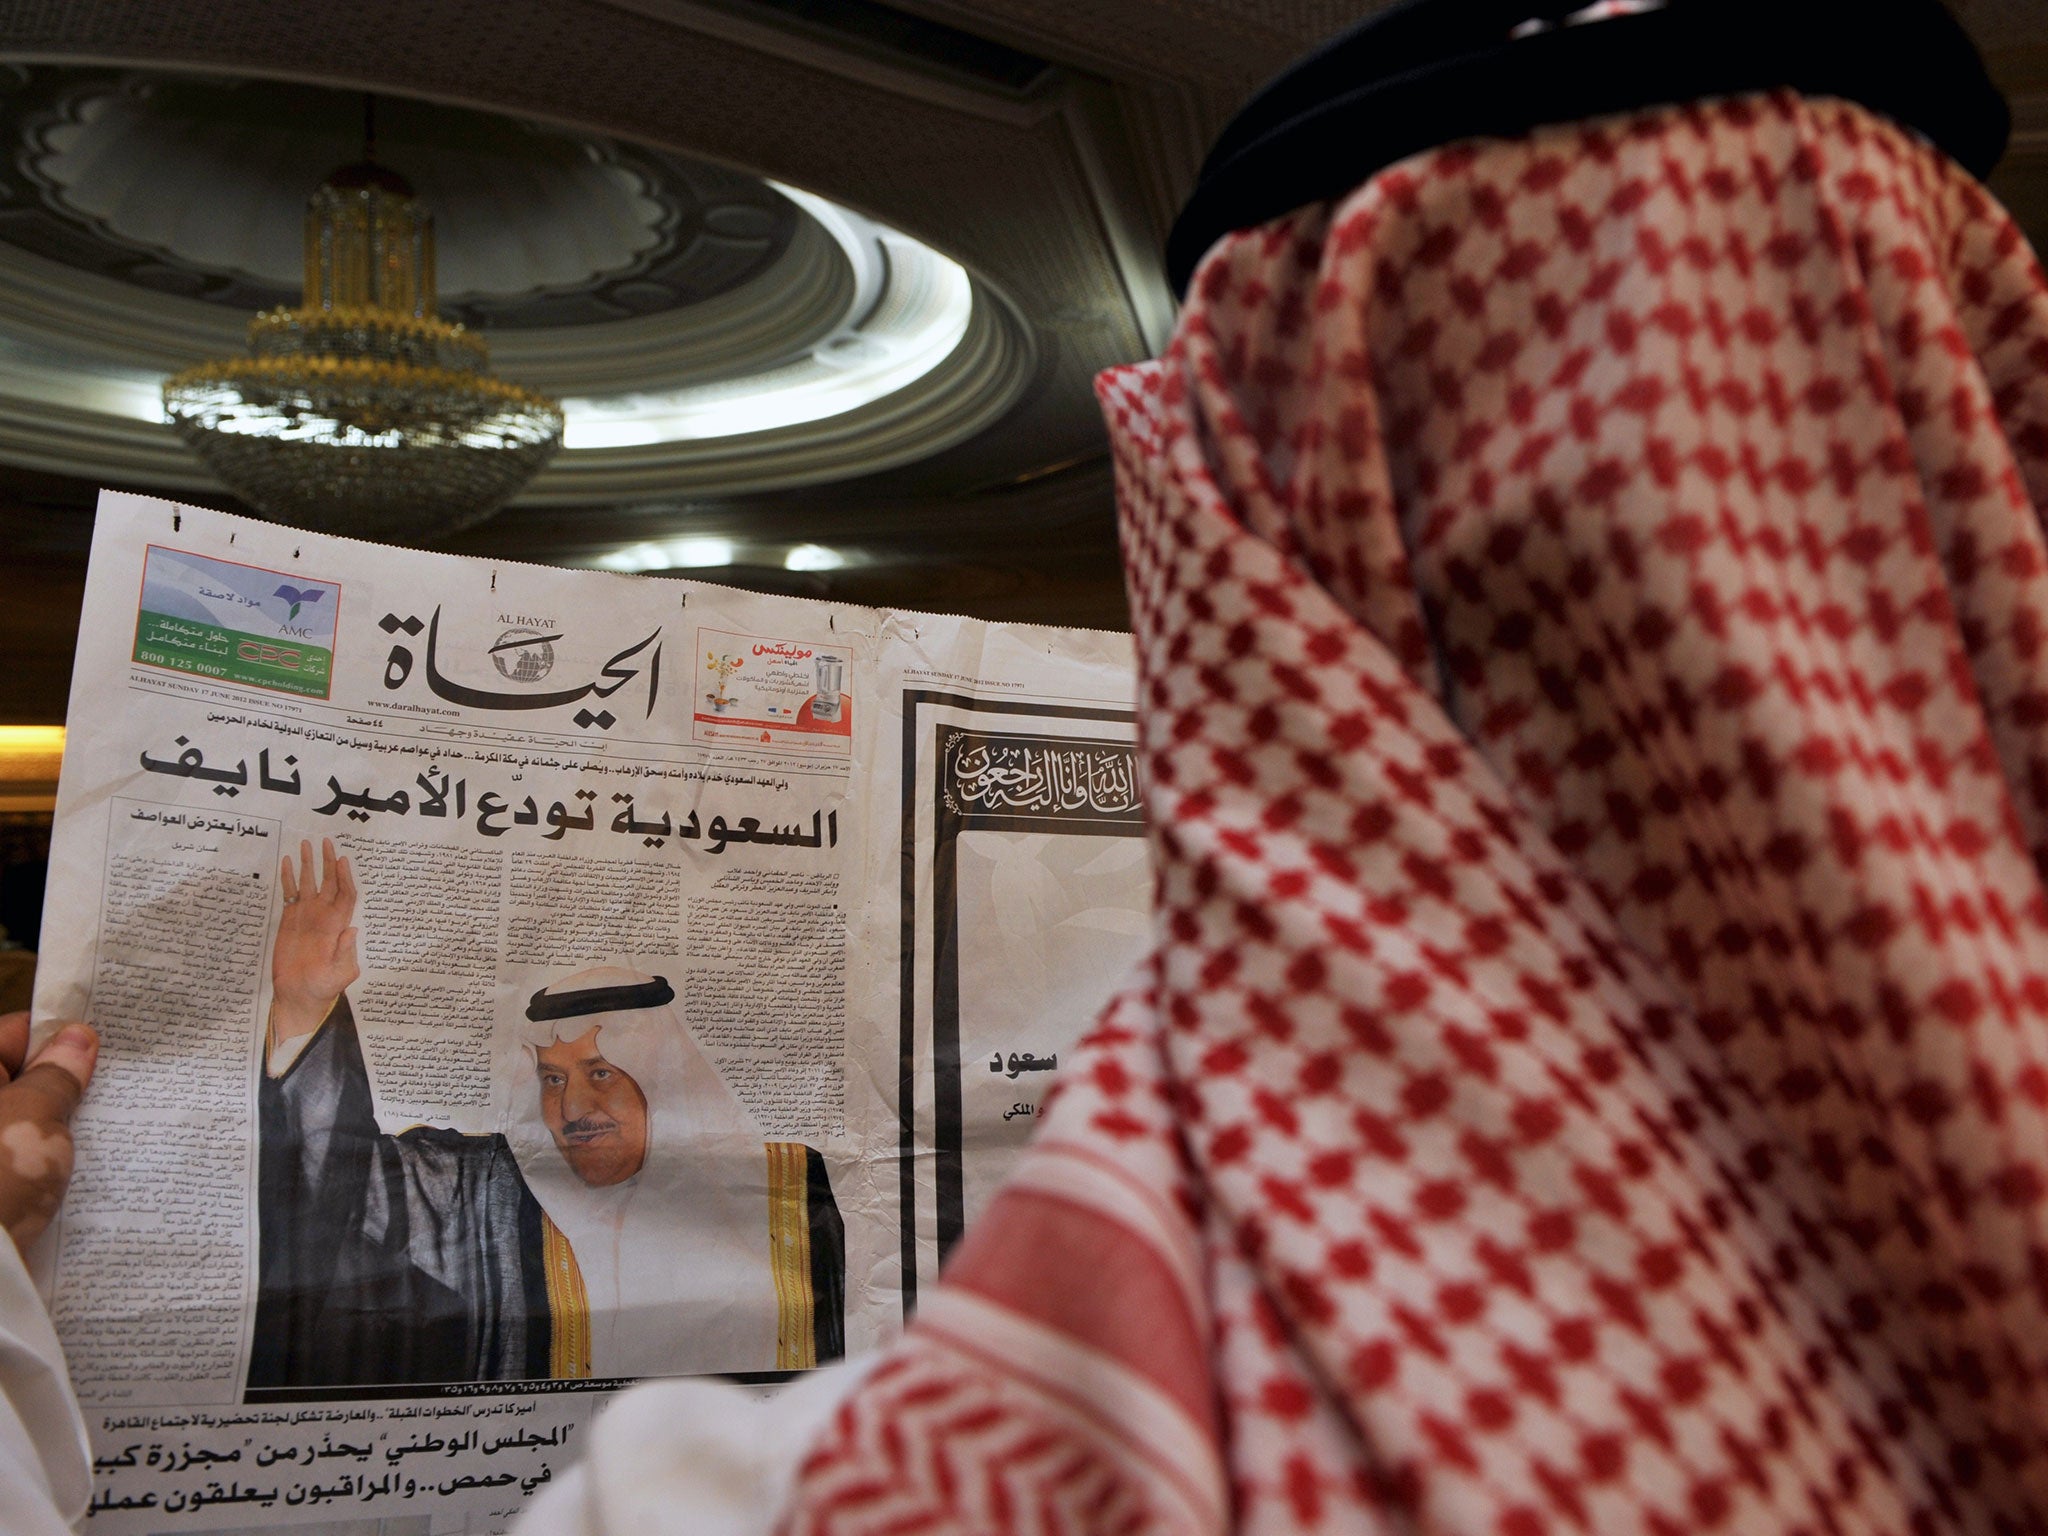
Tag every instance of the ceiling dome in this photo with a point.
(226, 193)
(197, 186)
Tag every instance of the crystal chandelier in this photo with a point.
(361, 411)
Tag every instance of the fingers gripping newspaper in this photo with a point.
(514, 982)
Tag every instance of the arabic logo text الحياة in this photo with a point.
(524, 655)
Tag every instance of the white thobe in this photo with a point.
(45, 1462)
(692, 1458)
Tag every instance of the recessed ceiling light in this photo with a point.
(687, 554)
(675, 555)
(813, 557)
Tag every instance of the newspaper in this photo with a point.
(516, 981)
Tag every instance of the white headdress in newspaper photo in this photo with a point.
(672, 1244)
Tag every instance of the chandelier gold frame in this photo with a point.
(361, 411)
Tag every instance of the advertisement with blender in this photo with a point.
(772, 692)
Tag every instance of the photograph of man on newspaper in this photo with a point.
(628, 1219)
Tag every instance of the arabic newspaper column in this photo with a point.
(1007, 897)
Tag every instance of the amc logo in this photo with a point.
(267, 655)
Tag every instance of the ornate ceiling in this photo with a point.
(668, 159)
(705, 330)
(195, 186)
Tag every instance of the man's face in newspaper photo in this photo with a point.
(596, 1111)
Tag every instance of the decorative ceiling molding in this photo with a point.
(196, 187)
(974, 387)
(68, 407)
(790, 308)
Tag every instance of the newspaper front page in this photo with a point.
(514, 982)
